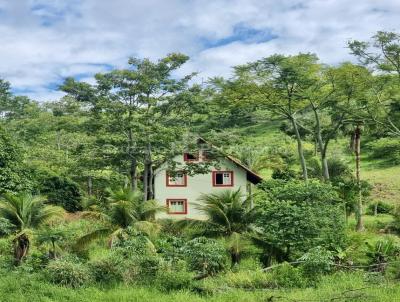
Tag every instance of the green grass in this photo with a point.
(384, 176)
(339, 287)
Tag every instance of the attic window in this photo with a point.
(222, 178)
(177, 179)
(190, 156)
(177, 206)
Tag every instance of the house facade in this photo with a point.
(180, 192)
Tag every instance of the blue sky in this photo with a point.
(44, 41)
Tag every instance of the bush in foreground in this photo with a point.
(68, 272)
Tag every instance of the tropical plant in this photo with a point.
(229, 215)
(125, 209)
(51, 238)
(382, 252)
(206, 256)
(26, 212)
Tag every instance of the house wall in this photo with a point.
(196, 185)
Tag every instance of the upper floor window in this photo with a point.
(177, 179)
(222, 178)
(190, 156)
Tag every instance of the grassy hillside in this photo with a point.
(384, 176)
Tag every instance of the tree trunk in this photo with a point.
(357, 151)
(235, 259)
(324, 161)
(300, 149)
(132, 174)
(21, 248)
(90, 186)
(145, 182)
(148, 175)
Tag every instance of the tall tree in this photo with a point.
(281, 85)
(133, 108)
(382, 53)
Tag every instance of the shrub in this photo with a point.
(6, 227)
(171, 248)
(337, 168)
(206, 256)
(299, 191)
(381, 208)
(136, 244)
(35, 262)
(62, 191)
(287, 276)
(284, 174)
(5, 246)
(393, 270)
(248, 279)
(383, 251)
(293, 227)
(108, 269)
(386, 147)
(68, 272)
(317, 261)
(174, 277)
(140, 268)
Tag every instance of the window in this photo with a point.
(222, 178)
(190, 157)
(177, 179)
(177, 206)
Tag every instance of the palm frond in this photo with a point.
(87, 239)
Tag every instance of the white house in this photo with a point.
(180, 192)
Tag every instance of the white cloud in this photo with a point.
(43, 41)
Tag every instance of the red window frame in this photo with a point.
(214, 179)
(173, 185)
(185, 204)
(185, 157)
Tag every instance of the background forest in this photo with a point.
(77, 209)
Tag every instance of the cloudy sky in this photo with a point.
(44, 41)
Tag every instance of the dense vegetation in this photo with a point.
(77, 209)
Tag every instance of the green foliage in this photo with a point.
(68, 272)
(296, 227)
(246, 279)
(337, 168)
(174, 277)
(381, 208)
(393, 270)
(386, 148)
(287, 276)
(206, 256)
(383, 251)
(11, 174)
(299, 191)
(229, 215)
(62, 191)
(109, 269)
(170, 247)
(24, 210)
(5, 227)
(284, 174)
(317, 261)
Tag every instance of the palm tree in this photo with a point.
(26, 212)
(126, 209)
(229, 215)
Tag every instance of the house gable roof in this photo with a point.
(252, 177)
